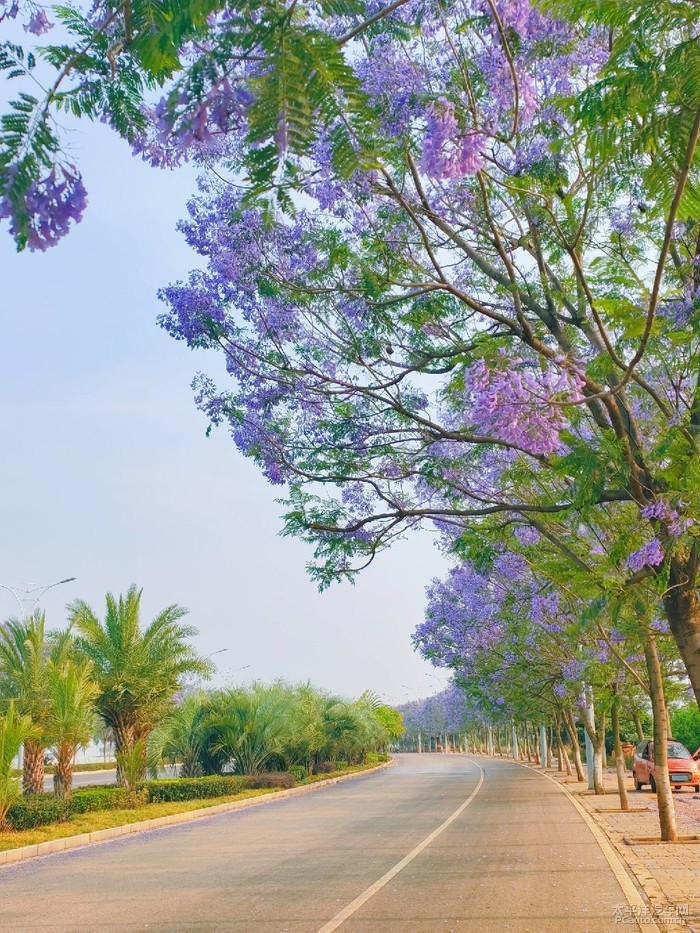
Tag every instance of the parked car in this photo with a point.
(683, 770)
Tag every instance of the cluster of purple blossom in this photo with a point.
(37, 20)
(650, 554)
(521, 406)
(662, 511)
(49, 208)
(446, 712)
(183, 128)
(448, 152)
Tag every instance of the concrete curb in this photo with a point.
(12, 856)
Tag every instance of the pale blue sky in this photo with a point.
(107, 475)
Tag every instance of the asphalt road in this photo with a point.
(517, 857)
(81, 778)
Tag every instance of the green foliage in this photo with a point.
(138, 670)
(92, 798)
(298, 772)
(685, 725)
(131, 765)
(14, 729)
(182, 738)
(375, 758)
(203, 788)
(37, 810)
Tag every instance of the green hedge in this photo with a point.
(28, 812)
(174, 789)
(298, 772)
(374, 758)
(90, 799)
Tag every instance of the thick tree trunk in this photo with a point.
(619, 757)
(33, 768)
(682, 607)
(664, 794)
(596, 734)
(567, 762)
(598, 750)
(123, 741)
(576, 748)
(63, 775)
(526, 735)
(560, 750)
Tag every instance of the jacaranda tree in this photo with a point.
(451, 259)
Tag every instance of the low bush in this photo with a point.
(324, 767)
(173, 789)
(92, 798)
(29, 812)
(341, 765)
(276, 779)
(224, 785)
(375, 758)
(298, 772)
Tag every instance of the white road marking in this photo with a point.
(369, 892)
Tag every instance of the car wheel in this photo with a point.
(652, 783)
(697, 788)
(638, 784)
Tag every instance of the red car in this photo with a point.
(683, 770)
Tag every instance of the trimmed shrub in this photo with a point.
(92, 798)
(324, 767)
(223, 785)
(374, 758)
(175, 789)
(298, 772)
(28, 812)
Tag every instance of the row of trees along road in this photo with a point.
(134, 679)
(56, 682)
(454, 276)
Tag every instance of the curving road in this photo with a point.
(516, 857)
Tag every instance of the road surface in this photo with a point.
(81, 778)
(517, 857)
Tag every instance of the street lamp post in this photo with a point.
(31, 594)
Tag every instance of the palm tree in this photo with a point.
(71, 716)
(249, 726)
(14, 730)
(182, 737)
(138, 671)
(24, 659)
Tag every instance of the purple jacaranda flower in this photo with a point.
(51, 204)
(661, 510)
(449, 151)
(650, 554)
(526, 534)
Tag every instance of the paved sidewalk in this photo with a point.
(667, 873)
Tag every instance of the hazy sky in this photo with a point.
(107, 475)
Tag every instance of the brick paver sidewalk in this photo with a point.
(668, 873)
